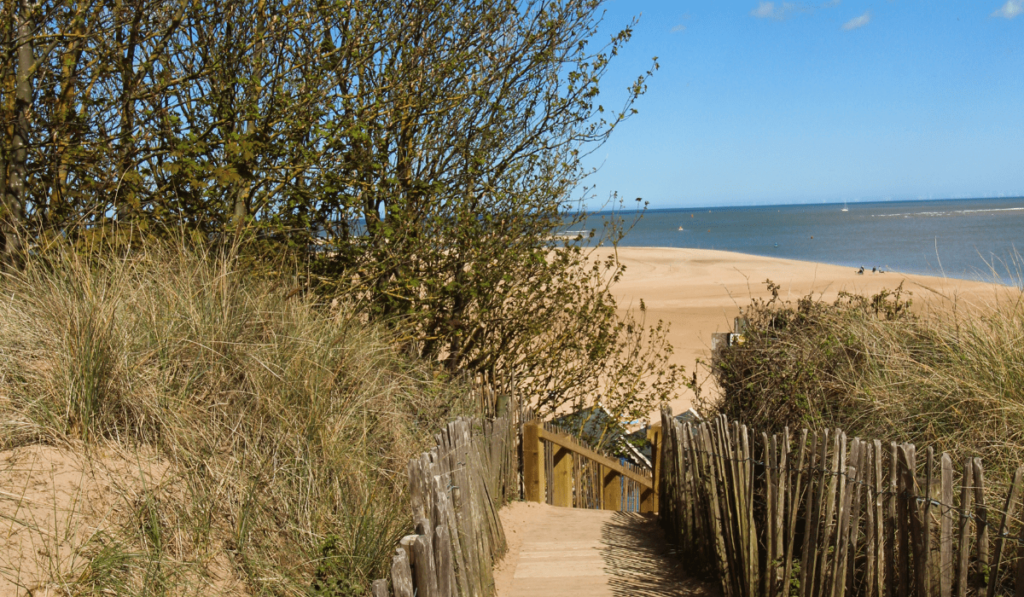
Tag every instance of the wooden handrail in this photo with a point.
(565, 441)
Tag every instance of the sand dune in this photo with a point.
(699, 291)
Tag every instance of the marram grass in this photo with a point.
(287, 423)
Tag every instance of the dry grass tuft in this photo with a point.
(285, 425)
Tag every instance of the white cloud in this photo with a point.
(1011, 9)
(782, 10)
(858, 22)
(764, 10)
(679, 29)
(770, 10)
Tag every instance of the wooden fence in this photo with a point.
(559, 470)
(819, 514)
(455, 492)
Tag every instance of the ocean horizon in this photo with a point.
(974, 239)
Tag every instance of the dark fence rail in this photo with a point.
(821, 514)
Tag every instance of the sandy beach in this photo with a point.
(699, 291)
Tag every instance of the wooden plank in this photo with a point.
(463, 500)
(880, 533)
(748, 504)
(735, 524)
(380, 588)
(930, 578)
(963, 554)
(445, 571)
(654, 435)
(734, 451)
(946, 528)
(699, 527)
(825, 546)
(1018, 585)
(686, 495)
(781, 481)
(842, 549)
(903, 526)
(549, 470)
(911, 493)
(564, 441)
(460, 490)
(447, 514)
(771, 474)
(401, 575)
(417, 489)
(1008, 509)
(847, 481)
(612, 499)
(863, 476)
(981, 525)
(722, 469)
(891, 529)
(533, 464)
(425, 573)
(794, 506)
(814, 480)
(562, 488)
(718, 517)
(870, 529)
(575, 482)
(480, 504)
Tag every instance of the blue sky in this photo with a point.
(841, 100)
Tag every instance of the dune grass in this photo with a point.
(286, 424)
(950, 375)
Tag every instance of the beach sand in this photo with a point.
(699, 292)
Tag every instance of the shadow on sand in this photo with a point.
(640, 563)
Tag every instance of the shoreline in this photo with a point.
(698, 292)
(980, 279)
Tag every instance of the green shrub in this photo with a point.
(950, 378)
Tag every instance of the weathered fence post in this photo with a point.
(562, 488)
(649, 499)
(612, 489)
(737, 508)
(380, 588)
(533, 464)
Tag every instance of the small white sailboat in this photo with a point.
(844, 206)
(680, 228)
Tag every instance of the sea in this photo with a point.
(977, 239)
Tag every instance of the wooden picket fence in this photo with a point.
(823, 515)
(455, 491)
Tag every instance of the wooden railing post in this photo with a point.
(533, 464)
(612, 490)
(649, 497)
(562, 490)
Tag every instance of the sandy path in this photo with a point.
(573, 552)
(700, 291)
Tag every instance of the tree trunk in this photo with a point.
(125, 190)
(3, 133)
(14, 203)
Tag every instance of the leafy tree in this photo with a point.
(421, 157)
